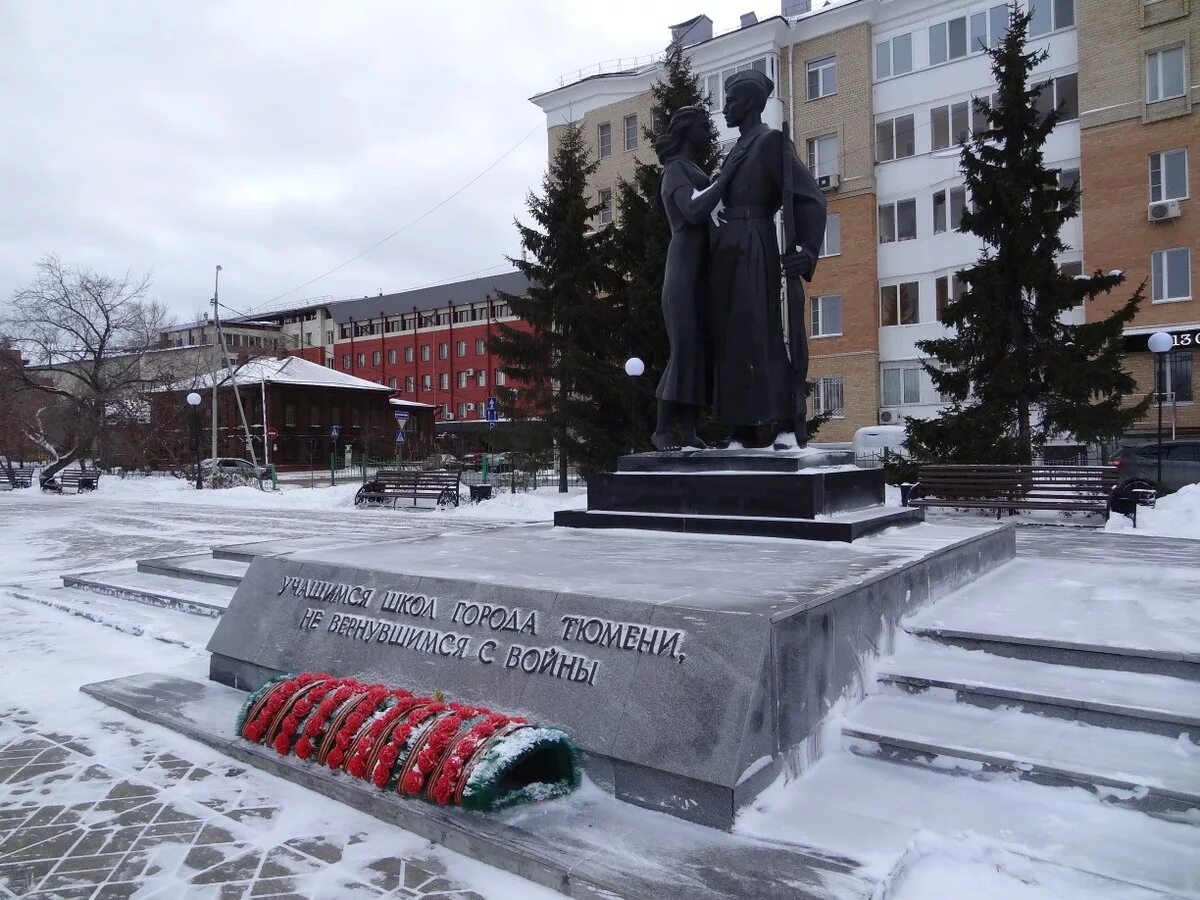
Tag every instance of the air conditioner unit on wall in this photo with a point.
(1161, 212)
(468, 372)
(829, 182)
(471, 406)
(888, 417)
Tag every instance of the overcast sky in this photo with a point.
(279, 139)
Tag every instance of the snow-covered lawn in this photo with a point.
(1175, 515)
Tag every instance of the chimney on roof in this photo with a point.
(796, 7)
(749, 19)
(693, 31)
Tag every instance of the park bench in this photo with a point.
(74, 480)
(392, 485)
(1062, 488)
(22, 477)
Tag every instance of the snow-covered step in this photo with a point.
(884, 809)
(1158, 704)
(1147, 771)
(167, 625)
(201, 598)
(1133, 618)
(197, 567)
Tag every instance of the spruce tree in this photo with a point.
(558, 357)
(1015, 373)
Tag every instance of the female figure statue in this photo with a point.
(689, 199)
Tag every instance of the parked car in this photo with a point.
(1137, 466)
(447, 461)
(228, 466)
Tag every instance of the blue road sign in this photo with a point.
(491, 404)
(399, 437)
(334, 432)
(401, 415)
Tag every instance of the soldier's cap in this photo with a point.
(751, 77)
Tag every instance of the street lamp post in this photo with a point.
(634, 368)
(193, 400)
(1160, 344)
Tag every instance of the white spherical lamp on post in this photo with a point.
(634, 368)
(1160, 344)
(193, 400)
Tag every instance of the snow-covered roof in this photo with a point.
(410, 404)
(293, 371)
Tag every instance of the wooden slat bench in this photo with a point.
(22, 477)
(74, 480)
(1065, 488)
(391, 485)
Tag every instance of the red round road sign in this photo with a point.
(272, 433)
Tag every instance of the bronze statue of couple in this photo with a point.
(721, 287)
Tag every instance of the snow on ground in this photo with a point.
(1175, 515)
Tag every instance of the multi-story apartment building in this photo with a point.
(1138, 93)
(879, 95)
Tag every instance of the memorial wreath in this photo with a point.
(426, 747)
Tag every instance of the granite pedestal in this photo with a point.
(690, 670)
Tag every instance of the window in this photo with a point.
(344, 332)
(392, 357)
(604, 140)
(1168, 176)
(392, 383)
(462, 409)
(988, 28)
(631, 132)
(289, 415)
(460, 349)
(828, 397)
(827, 316)
(308, 339)
(1171, 272)
(1164, 74)
(954, 201)
(606, 206)
(979, 117)
(426, 382)
(329, 363)
(426, 353)
(899, 304)
(408, 354)
(480, 347)
(1060, 93)
(895, 138)
(948, 125)
(1178, 370)
(314, 416)
(947, 40)
(500, 378)
(822, 77)
(1050, 15)
(714, 84)
(897, 221)
(329, 337)
(444, 381)
(1069, 178)
(893, 56)
(832, 245)
(376, 358)
(901, 386)
(462, 379)
(410, 384)
(360, 359)
(481, 378)
(444, 350)
(346, 361)
(946, 288)
(823, 155)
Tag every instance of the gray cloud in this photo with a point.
(279, 139)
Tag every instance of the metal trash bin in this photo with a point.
(480, 492)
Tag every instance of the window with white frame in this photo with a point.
(604, 140)
(631, 135)
(945, 289)
(1069, 178)
(949, 125)
(1050, 15)
(1061, 93)
(392, 382)
(979, 117)
(480, 347)
(408, 354)
(444, 350)
(1168, 175)
(425, 353)
(501, 378)
(606, 206)
(895, 138)
(988, 28)
(460, 349)
(1164, 74)
(392, 357)
(948, 206)
(462, 409)
(829, 396)
(1171, 274)
(823, 155)
(900, 304)
(832, 245)
(361, 359)
(822, 77)
(481, 378)
(346, 361)
(948, 40)
(410, 383)
(898, 221)
(447, 413)
(376, 358)
(827, 316)
(893, 56)
(714, 84)
(901, 385)
(426, 382)
(462, 379)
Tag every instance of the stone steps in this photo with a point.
(197, 567)
(1144, 771)
(1135, 701)
(200, 598)
(190, 632)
